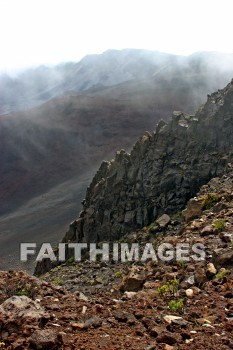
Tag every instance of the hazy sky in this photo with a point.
(33, 32)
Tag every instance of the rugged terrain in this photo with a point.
(140, 198)
(162, 172)
(48, 150)
(128, 305)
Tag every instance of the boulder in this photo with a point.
(163, 221)
(193, 210)
(133, 282)
(23, 309)
(207, 230)
(223, 257)
(44, 339)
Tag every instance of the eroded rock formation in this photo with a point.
(162, 172)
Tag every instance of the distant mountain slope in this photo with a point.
(35, 86)
(38, 85)
(47, 145)
(46, 152)
(61, 139)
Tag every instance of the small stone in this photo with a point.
(207, 230)
(200, 276)
(193, 210)
(189, 282)
(168, 347)
(130, 295)
(170, 318)
(44, 339)
(169, 338)
(226, 237)
(189, 292)
(155, 331)
(207, 325)
(163, 221)
(84, 310)
(133, 282)
(121, 316)
(180, 322)
(79, 325)
(211, 270)
(82, 297)
(223, 257)
(93, 322)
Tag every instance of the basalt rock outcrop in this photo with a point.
(161, 173)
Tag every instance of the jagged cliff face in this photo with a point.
(162, 172)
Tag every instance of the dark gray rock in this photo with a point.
(162, 172)
(193, 210)
(163, 220)
(223, 257)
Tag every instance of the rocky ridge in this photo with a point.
(161, 173)
(65, 139)
(152, 305)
